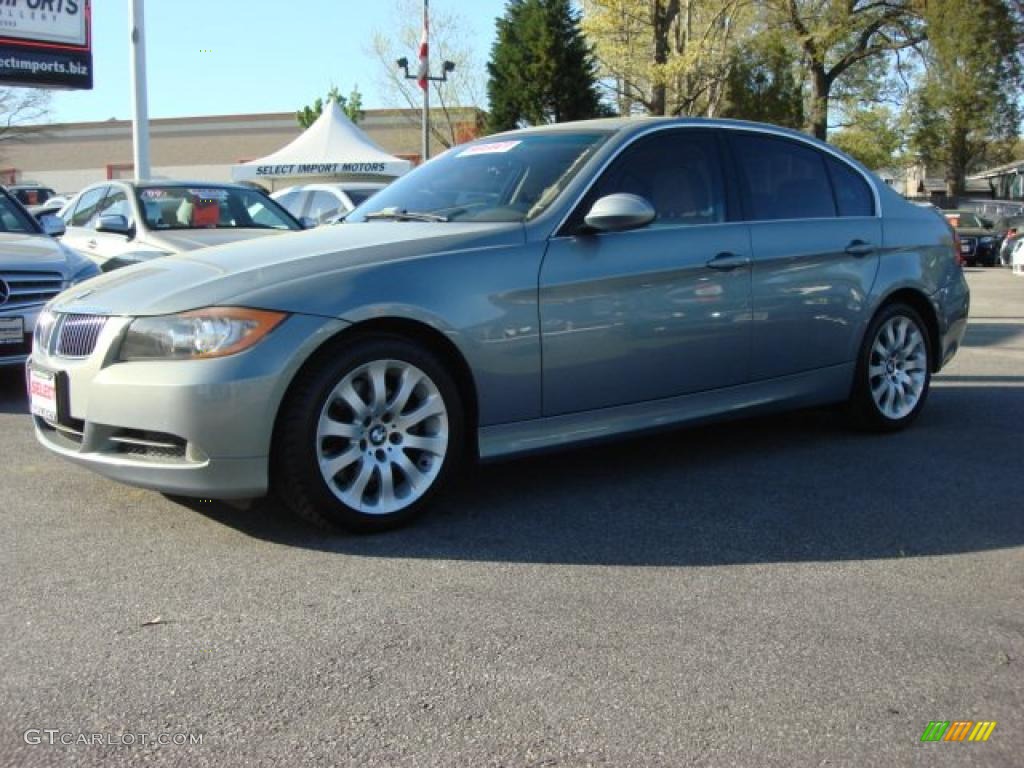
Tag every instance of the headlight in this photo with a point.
(199, 334)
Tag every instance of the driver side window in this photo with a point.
(115, 204)
(85, 210)
(677, 171)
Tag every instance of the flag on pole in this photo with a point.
(424, 70)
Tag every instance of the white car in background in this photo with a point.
(322, 203)
(117, 223)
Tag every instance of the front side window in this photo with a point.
(499, 179)
(678, 172)
(783, 179)
(322, 206)
(115, 204)
(87, 206)
(202, 207)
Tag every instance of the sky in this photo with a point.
(216, 57)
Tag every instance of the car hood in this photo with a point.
(190, 239)
(215, 275)
(20, 251)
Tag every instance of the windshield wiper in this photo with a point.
(397, 214)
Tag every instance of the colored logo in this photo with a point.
(958, 730)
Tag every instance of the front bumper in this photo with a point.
(195, 428)
(17, 353)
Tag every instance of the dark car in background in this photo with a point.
(31, 194)
(979, 244)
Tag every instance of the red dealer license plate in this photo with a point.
(42, 387)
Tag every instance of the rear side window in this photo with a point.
(853, 195)
(783, 179)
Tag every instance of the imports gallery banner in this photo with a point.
(46, 43)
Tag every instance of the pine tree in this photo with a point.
(542, 69)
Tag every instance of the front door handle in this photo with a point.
(859, 248)
(728, 261)
(91, 244)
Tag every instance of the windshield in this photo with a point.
(490, 180)
(201, 207)
(14, 219)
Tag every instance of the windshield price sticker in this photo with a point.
(494, 148)
(210, 194)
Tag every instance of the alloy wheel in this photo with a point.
(897, 367)
(382, 436)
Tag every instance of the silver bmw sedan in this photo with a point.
(520, 293)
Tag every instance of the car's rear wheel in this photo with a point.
(893, 372)
(368, 436)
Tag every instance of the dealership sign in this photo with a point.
(46, 43)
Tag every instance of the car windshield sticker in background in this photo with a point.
(153, 193)
(210, 194)
(495, 147)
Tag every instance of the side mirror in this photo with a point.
(619, 212)
(307, 222)
(115, 224)
(52, 225)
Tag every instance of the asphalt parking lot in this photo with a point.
(777, 592)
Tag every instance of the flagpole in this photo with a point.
(426, 85)
(140, 111)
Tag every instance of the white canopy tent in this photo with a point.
(331, 148)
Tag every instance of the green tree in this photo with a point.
(872, 136)
(762, 84)
(352, 105)
(840, 37)
(542, 69)
(966, 112)
(667, 57)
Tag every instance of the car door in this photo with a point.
(80, 218)
(815, 238)
(637, 315)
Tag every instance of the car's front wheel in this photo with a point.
(893, 372)
(368, 435)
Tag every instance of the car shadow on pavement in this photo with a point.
(798, 487)
(13, 397)
(993, 334)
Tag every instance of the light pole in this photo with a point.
(140, 114)
(424, 79)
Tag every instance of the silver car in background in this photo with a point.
(117, 223)
(325, 203)
(34, 267)
(524, 292)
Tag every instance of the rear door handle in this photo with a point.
(859, 248)
(728, 261)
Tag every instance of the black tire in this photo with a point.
(863, 412)
(296, 475)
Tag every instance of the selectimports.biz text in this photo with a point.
(14, 64)
(58, 737)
